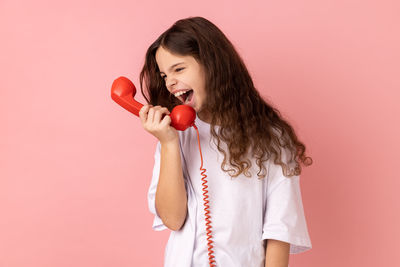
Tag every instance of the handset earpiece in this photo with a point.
(123, 92)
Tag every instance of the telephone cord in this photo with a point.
(206, 207)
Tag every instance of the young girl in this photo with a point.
(252, 164)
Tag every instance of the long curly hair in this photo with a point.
(244, 118)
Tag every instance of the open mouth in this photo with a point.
(186, 97)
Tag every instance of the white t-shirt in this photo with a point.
(244, 211)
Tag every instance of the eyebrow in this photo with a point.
(176, 64)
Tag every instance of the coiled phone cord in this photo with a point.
(206, 207)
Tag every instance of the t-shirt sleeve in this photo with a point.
(158, 225)
(284, 217)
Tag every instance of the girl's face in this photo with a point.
(182, 73)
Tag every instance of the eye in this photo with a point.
(177, 70)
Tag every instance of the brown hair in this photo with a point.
(245, 119)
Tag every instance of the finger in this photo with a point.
(150, 115)
(159, 113)
(153, 113)
(143, 113)
(144, 107)
(165, 121)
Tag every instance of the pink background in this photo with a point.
(75, 167)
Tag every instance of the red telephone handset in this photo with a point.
(123, 92)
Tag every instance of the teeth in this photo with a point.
(180, 93)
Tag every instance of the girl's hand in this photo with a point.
(160, 128)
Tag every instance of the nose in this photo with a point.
(170, 82)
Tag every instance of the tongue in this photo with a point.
(189, 96)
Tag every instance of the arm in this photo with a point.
(171, 198)
(276, 253)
